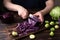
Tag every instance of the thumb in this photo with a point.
(24, 17)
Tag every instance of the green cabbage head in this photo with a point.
(55, 13)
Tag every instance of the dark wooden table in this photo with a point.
(42, 35)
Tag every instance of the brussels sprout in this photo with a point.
(52, 29)
(46, 21)
(52, 23)
(14, 33)
(56, 26)
(32, 36)
(51, 33)
(46, 25)
(57, 22)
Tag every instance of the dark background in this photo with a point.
(57, 2)
(39, 36)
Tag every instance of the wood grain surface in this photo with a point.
(43, 34)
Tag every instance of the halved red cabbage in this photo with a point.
(7, 18)
(28, 25)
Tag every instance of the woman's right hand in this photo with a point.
(23, 13)
(14, 7)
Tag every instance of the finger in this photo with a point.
(35, 14)
(21, 16)
(41, 18)
(25, 16)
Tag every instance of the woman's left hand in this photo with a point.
(39, 15)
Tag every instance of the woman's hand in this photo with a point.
(14, 7)
(39, 15)
(23, 13)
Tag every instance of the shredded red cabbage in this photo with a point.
(28, 25)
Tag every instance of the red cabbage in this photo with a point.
(28, 25)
